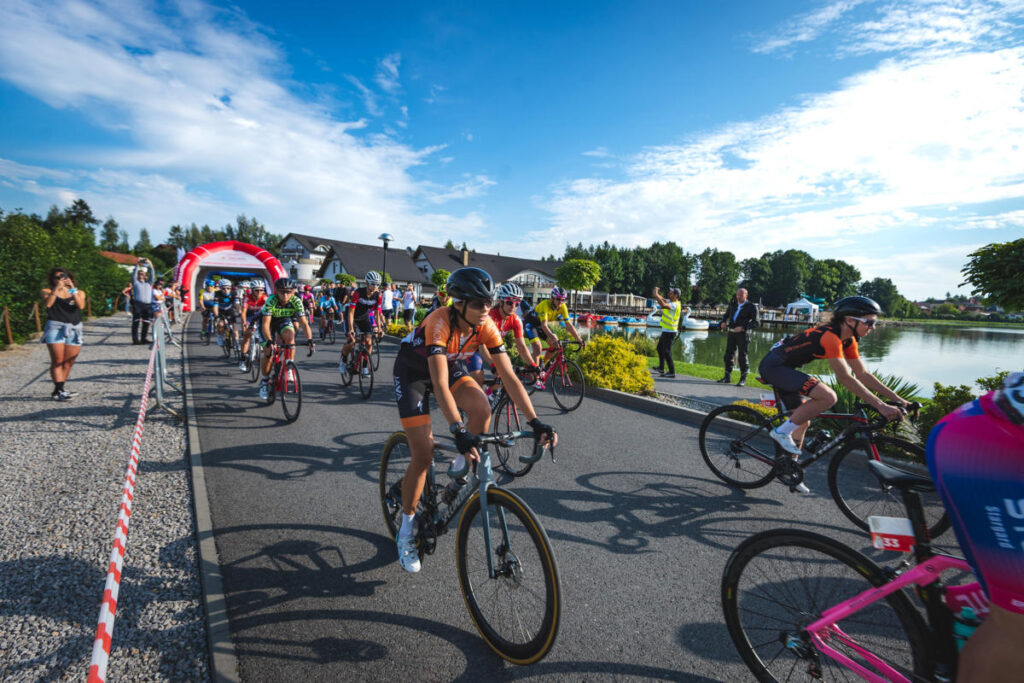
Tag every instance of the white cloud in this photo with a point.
(1009, 219)
(369, 97)
(472, 186)
(806, 27)
(435, 92)
(919, 274)
(600, 152)
(387, 73)
(201, 95)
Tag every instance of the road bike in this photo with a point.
(735, 444)
(252, 357)
(564, 377)
(358, 365)
(329, 333)
(503, 556)
(285, 383)
(799, 605)
(378, 335)
(513, 459)
(206, 331)
(230, 346)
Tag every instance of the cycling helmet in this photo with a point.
(470, 283)
(558, 293)
(245, 284)
(223, 282)
(284, 283)
(209, 283)
(510, 290)
(258, 284)
(856, 305)
(1010, 397)
(373, 278)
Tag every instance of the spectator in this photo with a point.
(387, 305)
(671, 310)
(142, 301)
(409, 306)
(739, 319)
(63, 333)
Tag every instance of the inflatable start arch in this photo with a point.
(224, 255)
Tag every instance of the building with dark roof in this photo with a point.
(535, 277)
(302, 255)
(358, 259)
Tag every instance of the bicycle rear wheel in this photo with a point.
(860, 494)
(376, 355)
(291, 391)
(506, 418)
(778, 582)
(568, 385)
(394, 461)
(345, 371)
(364, 368)
(255, 359)
(518, 610)
(735, 444)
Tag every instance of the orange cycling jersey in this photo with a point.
(435, 335)
(816, 342)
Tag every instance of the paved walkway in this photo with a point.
(706, 391)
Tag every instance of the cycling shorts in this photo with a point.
(528, 331)
(278, 324)
(412, 386)
(475, 362)
(228, 317)
(789, 382)
(363, 325)
(976, 459)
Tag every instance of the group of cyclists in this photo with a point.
(975, 454)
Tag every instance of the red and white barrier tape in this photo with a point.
(105, 626)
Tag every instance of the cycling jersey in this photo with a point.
(206, 299)
(362, 302)
(823, 341)
(255, 302)
(327, 303)
(546, 312)
(224, 301)
(510, 323)
(276, 308)
(976, 459)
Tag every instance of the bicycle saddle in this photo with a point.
(901, 479)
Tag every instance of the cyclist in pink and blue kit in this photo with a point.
(976, 458)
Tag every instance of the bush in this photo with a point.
(644, 345)
(767, 411)
(397, 329)
(946, 400)
(612, 363)
(994, 382)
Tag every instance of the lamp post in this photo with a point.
(385, 238)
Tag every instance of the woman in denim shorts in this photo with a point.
(63, 332)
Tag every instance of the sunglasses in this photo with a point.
(480, 304)
(512, 302)
(869, 323)
(62, 276)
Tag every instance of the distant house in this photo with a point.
(358, 259)
(535, 277)
(126, 261)
(302, 255)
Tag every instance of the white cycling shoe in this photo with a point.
(408, 556)
(786, 441)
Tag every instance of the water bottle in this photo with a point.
(964, 625)
(451, 491)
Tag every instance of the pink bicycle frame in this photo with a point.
(825, 629)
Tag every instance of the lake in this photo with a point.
(920, 354)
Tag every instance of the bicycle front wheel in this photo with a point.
(228, 344)
(332, 336)
(364, 368)
(778, 582)
(394, 461)
(345, 371)
(376, 355)
(860, 494)
(735, 444)
(568, 385)
(518, 610)
(506, 418)
(291, 391)
(255, 360)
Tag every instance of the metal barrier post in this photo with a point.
(160, 328)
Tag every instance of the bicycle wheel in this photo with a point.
(364, 369)
(518, 610)
(255, 359)
(331, 334)
(568, 385)
(227, 347)
(291, 391)
(735, 444)
(275, 375)
(778, 582)
(860, 494)
(394, 461)
(505, 418)
(376, 356)
(345, 371)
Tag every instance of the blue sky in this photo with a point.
(889, 134)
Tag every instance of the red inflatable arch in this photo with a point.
(225, 256)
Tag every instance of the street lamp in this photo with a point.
(385, 238)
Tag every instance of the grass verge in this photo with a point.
(707, 372)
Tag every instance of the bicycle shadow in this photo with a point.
(300, 460)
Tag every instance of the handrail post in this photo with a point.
(35, 311)
(7, 324)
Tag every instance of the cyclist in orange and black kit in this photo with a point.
(433, 357)
(852, 318)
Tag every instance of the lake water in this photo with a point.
(920, 354)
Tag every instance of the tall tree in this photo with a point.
(110, 237)
(790, 270)
(994, 272)
(757, 277)
(143, 246)
(176, 237)
(884, 291)
(80, 213)
(717, 275)
(578, 274)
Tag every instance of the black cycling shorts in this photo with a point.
(412, 386)
(363, 325)
(227, 316)
(789, 382)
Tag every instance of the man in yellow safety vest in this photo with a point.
(671, 310)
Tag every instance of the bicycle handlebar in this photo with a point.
(912, 411)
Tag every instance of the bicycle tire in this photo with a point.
(291, 391)
(255, 360)
(505, 418)
(365, 380)
(568, 385)
(376, 356)
(344, 371)
(520, 637)
(275, 373)
(226, 348)
(860, 494)
(729, 449)
(332, 334)
(769, 632)
(394, 461)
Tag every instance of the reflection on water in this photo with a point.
(923, 355)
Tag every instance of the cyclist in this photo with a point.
(976, 459)
(548, 311)
(206, 298)
(507, 321)
(440, 299)
(224, 304)
(361, 302)
(328, 308)
(433, 356)
(836, 341)
(252, 306)
(308, 301)
(280, 313)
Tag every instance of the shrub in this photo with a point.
(397, 329)
(946, 400)
(767, 411)
(611, 363)
(644, 345)
(994, 382)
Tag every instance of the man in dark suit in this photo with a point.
(740, 318)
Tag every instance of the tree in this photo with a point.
(717, 275)
(80, 214)
(790, 270)
(143, 246)
(757, 276)
(449, 245)
(884, 292)
(110, 238)
(439, 277)
(176, 237)
(577, 274)
(345, 278)
(249, 230)
(994, 272)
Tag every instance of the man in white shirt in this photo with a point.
(387, 304)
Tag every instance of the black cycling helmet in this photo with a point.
(284, 283)
(470, 283)
(856, 305)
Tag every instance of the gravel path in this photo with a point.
(61, 473)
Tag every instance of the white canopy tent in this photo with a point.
(803, 306)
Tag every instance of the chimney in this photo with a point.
(465, 257)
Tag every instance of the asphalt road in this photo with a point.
(640, 528)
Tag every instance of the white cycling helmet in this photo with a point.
(373, 278)
(1010, 397)
(245, 284)
(510, 290)
(223, 282)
